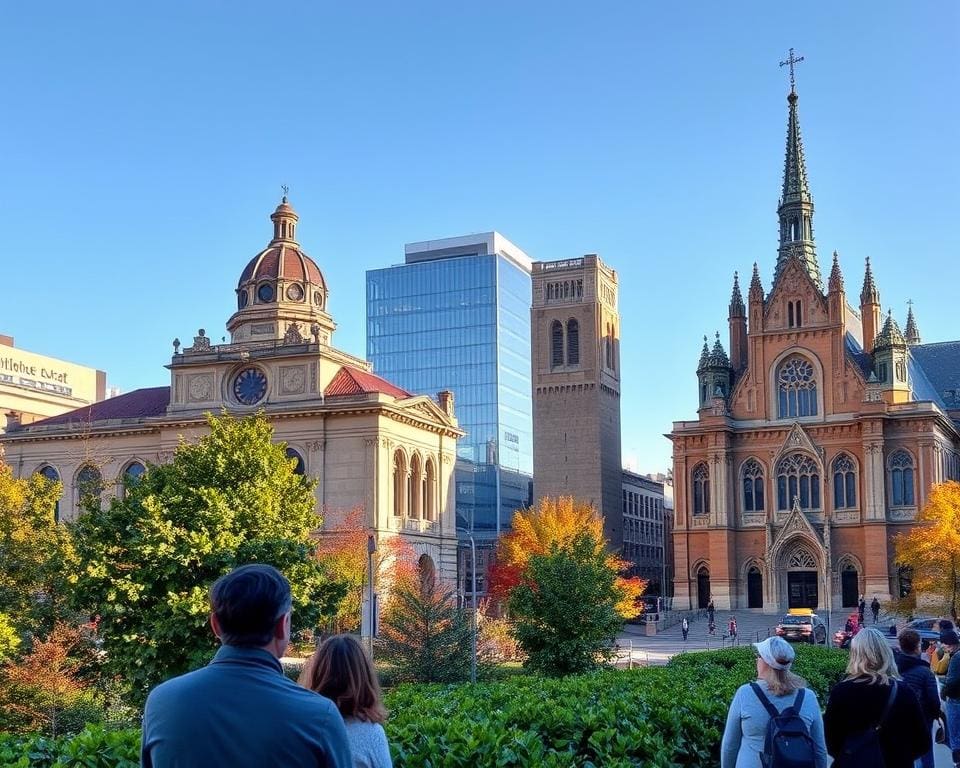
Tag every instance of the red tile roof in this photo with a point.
(352, 381)
(139, 404)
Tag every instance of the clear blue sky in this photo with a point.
(142, 147)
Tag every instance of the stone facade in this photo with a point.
(817, 440)
(575, 338)
(368, 443)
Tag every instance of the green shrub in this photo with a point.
(92, 747)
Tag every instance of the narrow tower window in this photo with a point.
(573, 342)
(701, 490)
(556, 344)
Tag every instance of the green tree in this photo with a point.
(565, 608)
(423, 635)
(9, 638)
(36, 554)
(147, 561)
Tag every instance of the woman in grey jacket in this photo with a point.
(747, 719)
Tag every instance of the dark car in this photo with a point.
(925, 627)
(803, 627)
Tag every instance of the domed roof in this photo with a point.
(283, 258)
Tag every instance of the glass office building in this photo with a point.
(456, 315)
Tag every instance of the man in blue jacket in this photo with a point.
(240, 710)
(917, 675)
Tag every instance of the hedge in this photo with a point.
(662, 717)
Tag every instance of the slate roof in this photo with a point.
(940, 363)
(855, 352)
(352, 381)
(139, 404)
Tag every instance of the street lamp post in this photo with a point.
(473, 605)
(371, 614)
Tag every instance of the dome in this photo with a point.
(283, 259)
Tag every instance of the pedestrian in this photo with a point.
(711, 627)
(342, 671)
(875, 609)
(779, 690)
(915, 672)
(872, 718)
(710, 610)
(685, 628)
(951, 691)
(732, 627)
(861, 610)
(241, 710)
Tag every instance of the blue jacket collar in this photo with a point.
(254, 656)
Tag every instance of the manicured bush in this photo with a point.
(662, 717)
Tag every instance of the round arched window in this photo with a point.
(265, 293)
(300, 468)
(295, 292)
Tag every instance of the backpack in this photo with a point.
(864, 748)
(788, 743)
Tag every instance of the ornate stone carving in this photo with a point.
(903, 514)
(200, 388)
(201, 342)
(293, 379)
(846, 516)
(293, 335)
(754, 518)
(315, 445)
(700, 521)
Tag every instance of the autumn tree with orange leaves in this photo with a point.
(931, 550)
(558, 522)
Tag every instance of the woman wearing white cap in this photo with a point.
(776, 687)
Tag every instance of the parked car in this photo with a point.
(842, 637)
(804, 626)
(925, 628)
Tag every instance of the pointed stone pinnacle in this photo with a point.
(869, 294)
(836, 277)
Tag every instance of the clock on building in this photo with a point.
(250, 386)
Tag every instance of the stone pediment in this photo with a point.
(797, 525)
(798, 440)
(423, 406)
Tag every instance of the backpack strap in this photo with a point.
(767, 704)
(798, 701)
(889, 707)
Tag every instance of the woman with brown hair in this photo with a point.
(342, 671)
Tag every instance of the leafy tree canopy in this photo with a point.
(147, 561)
(558, 523)
(931, 550)
(35, 552)
(565, 608)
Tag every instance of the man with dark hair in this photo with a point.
(918, 677)
(241, 710)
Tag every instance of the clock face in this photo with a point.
(295, 292)
(250, 386)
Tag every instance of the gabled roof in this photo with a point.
(855, 352)
(352, 381)
(941, 366)
(139, 404)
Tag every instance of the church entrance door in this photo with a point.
(802, 589)
(849, 588)
(703, 587)
(754, 588)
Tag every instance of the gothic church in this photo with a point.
(817, 439)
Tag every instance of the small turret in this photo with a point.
(738, 327)
(913, 333)
(890, 362)
(869, 309)
(714, 373)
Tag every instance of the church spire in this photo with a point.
(756, 287)
(913, 333)
(869, 294)
(836, 276)
(737, 308)
(796, 204)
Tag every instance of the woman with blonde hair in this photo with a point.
(342, 671)
(871, 717)
(776, 689)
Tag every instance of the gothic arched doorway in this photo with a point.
(849, 586)
(803, 579)
(754, 588)
(703, 586)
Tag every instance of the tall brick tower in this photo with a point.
(575, 334)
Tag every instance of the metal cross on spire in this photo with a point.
(791, 62)
(286, 189)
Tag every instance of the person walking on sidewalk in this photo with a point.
(685, 628)
(861, 609)
(875, 609)
(732, 628)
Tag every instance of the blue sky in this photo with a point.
(142, 147)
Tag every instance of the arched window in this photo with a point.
(801, 558)
(556, 343)
(901, 480)
(798, 313)
(132, 475)
(752, 486)
(399, 484)
(573, 342)
(51, 474)
(844, 482)
(797, 388)
(416, 490)
(798, 478)
(89, 486)
(430, 482)
(300, 468)
(701, 490)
